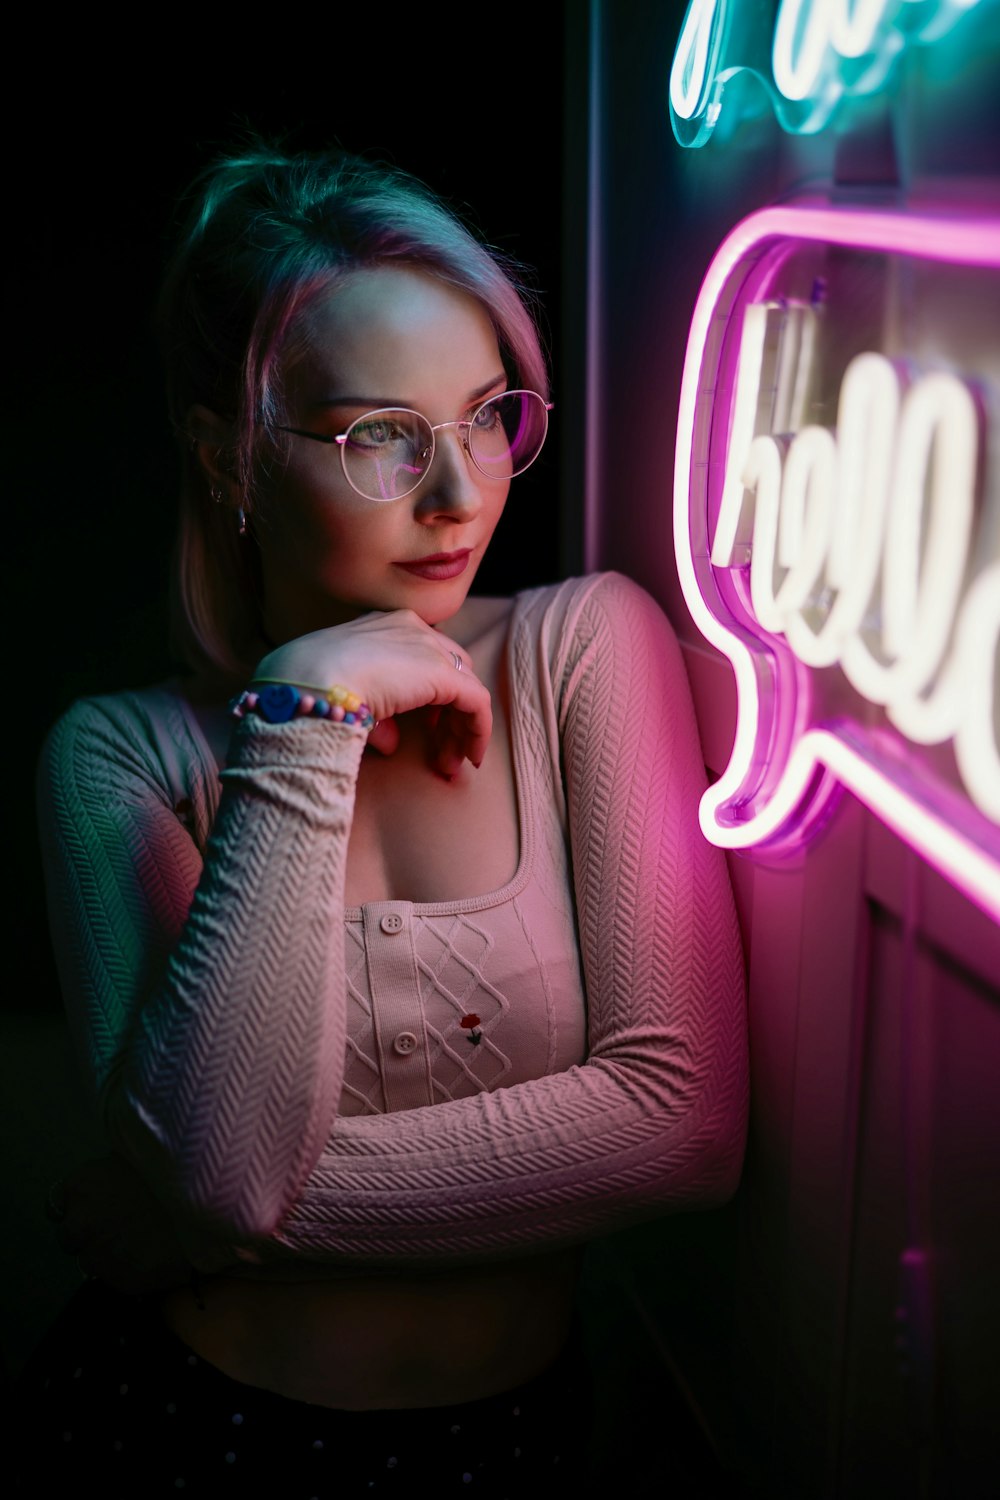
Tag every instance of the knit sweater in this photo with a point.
(292, 1074)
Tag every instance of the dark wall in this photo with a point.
(116, 132)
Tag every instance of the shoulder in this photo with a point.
(114, 722)
(604, 618)
(572, 605)
(593, 596)
(123, 743)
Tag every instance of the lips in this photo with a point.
(438, 566)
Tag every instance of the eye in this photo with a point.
(374, 432)
(487, 417)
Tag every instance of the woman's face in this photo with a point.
(387, 337)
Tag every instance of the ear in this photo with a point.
(211, 436)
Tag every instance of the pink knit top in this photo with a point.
(294, 1075)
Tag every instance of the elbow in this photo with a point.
(723, 1114)
(711, 1141)
(217, 1200)
(227, 1203)
(723, 1168)
(704, 1173)
(722, 1137)
(218, 1217)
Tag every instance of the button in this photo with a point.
(392, 922)
(405, 1043)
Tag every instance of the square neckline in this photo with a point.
(500, 895)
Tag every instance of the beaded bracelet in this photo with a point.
(278, 701)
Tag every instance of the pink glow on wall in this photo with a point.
(805, 723)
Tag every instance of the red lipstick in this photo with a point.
(438, 566)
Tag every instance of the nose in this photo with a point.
(453, 484)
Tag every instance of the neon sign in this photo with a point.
(823, 53)
(849, 568)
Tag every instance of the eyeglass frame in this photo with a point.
(340, 438)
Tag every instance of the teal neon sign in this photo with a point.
(821, 55)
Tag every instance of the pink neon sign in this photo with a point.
(837, 526)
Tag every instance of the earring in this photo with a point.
(241, 521)
(216, 494)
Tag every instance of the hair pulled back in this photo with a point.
(267, 234)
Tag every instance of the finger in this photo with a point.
(466, 714)
(447, 759)
(385, 736)
(455, 740)
(455, 655)
(472, 700)
(470, 730)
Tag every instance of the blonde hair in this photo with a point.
(267, 233)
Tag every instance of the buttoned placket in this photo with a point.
(397, 1011)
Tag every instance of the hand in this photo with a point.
(108, 1219)
(396, 662)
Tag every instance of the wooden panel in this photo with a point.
(921, 1385)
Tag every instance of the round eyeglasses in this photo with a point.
(386, 453)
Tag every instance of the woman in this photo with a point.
(402, 984)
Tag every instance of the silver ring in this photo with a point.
(457, 660)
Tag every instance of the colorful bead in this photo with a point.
(278, 702)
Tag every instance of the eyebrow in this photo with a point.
(378, 403)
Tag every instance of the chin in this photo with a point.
(442, 612)
(437, 602)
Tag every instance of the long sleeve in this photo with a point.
(655, 1118)
(197, 987)
(210, 994)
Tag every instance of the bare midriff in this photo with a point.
(412, 1339)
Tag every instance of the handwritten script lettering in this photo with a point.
(822, 52)
(861, 548)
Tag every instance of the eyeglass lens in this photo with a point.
(386, 453)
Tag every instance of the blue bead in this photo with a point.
(321, 709)
(277, 702)
(350, 718)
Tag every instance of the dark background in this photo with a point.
(496, 117)
(119, 128)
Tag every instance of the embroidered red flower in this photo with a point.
(470, 1023)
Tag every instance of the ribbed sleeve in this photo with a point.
(200, 988)
(210, 999)
(655, 1119)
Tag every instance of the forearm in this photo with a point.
(535, 1167)
(217, 1053)
(655, 1120)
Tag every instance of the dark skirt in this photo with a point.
(113, 1401)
